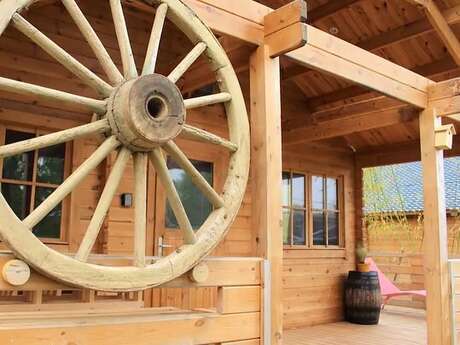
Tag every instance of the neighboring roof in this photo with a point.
(399, 187)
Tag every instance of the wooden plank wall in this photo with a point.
(313, 278)
(398, 253)
(407, 237)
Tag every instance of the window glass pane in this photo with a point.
(286, 189)
(18, 197)
(318, 229)
(50, 226)
(286, 226)
(195, 203)
(50, 165)
(299, 227)
(333, 228)
(332, 194)
(317, 192)
(298, 190)
(19, 167)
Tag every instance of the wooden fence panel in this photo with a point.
(406, 272)
(43, 311)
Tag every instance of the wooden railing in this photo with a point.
(454, 269)
(43, 311)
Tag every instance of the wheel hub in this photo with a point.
(146, 112)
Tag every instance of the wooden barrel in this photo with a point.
(363, 299)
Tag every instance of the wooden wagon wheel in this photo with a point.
(140, 115)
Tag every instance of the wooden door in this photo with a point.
(166, 235)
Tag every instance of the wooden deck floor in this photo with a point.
(398, 326)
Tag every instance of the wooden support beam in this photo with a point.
(397, 153)
(445, 97)
(435, 240)
(329, 8)
(388, 38)
(284, 29)
(242, 19)
(429, 70)
(287, 39)
(442, 27)
(412, 30)
(347, 125)
(283, 17)
(332, 55)
(267, 169)
(358, 201)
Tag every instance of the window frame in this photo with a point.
(308, 190)
(34, 184)
(326, 210)
(293, 208)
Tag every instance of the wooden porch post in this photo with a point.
(435, 233)
(266, 173)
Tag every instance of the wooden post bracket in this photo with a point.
(285, 29)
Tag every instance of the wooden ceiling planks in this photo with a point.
(366, 22)
(395, 30)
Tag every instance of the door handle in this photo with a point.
(162, 245)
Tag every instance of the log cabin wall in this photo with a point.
(20, 59)
(313, 278)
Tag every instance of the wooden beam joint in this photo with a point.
(285, 28)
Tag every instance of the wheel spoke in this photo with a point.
(155, 37)
(103, 205)
(207, 100)
(60, 137)
(121, 30)
(161, 168)
(64, 58)
(71, 182)
(94, 42)
(140, 207)
(46, 94)
(175, 152)
(185, 64)
(198, 134)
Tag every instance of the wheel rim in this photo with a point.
(143, 146)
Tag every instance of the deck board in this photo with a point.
(397, 325)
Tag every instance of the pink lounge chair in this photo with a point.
(387, 287)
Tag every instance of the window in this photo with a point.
(311, 210)
(28, 179)
(325, 211)
(195, 203)
(294, 209)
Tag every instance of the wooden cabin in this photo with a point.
(142, 204)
